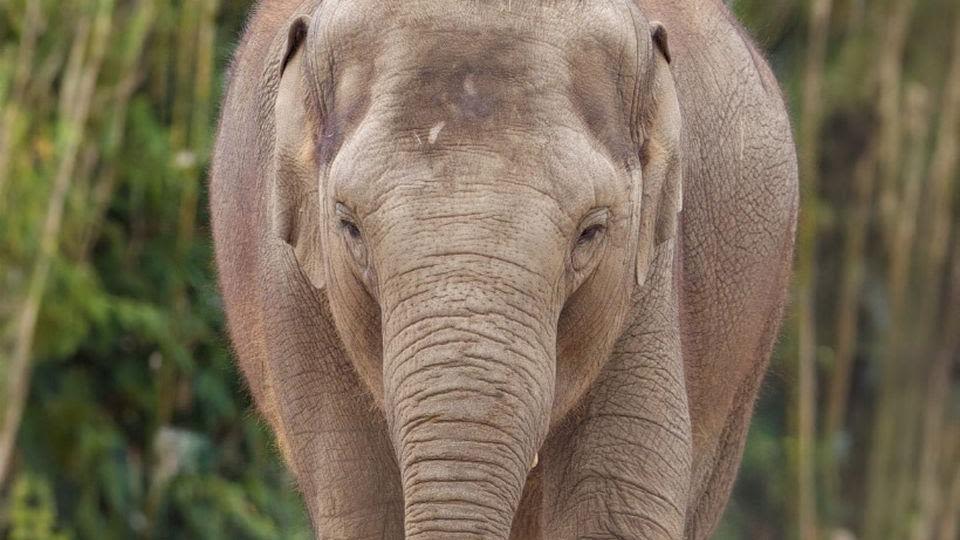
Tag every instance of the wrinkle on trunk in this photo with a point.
(468, 386)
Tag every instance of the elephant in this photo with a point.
(504, 268)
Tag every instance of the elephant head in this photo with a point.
(478, 190)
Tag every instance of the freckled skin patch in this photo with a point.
(468, 380)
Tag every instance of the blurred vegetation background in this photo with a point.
(121, 415)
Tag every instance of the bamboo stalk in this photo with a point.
(943, 171)
(12, 106)
(183, 71)
(877, 518)
(933, 458)
(203, 77)
(848, 302)
(890, 69)
(73, 72)
(908, 374)
(201, 95)
(139, 28)
(804, 396)
(937, 229)
(950, 524)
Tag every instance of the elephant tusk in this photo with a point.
(536, 460)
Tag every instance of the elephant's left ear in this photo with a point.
(659, 125)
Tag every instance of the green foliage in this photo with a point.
(33, 511)
(137, 424)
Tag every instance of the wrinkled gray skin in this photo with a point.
(457, 275)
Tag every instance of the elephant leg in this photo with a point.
(721, 413)
(337, 441)
(620, 468)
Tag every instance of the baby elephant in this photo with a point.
(504, 268)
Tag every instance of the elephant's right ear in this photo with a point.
(296, 197)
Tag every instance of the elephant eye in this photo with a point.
(590, 233)
(346, 222)
(355, 243)
(350, 228)
(353, 238)
(589, 243)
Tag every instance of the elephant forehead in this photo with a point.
(365, 25)
(467, 90)
(477, 87)
(563, 170)
(456, 72)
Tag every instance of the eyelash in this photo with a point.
(350, 227)
(590, 233)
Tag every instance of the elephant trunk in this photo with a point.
(468, 385)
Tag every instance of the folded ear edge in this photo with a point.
(662, 190)
(659, 35)
(294, 205)
(296, 35)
